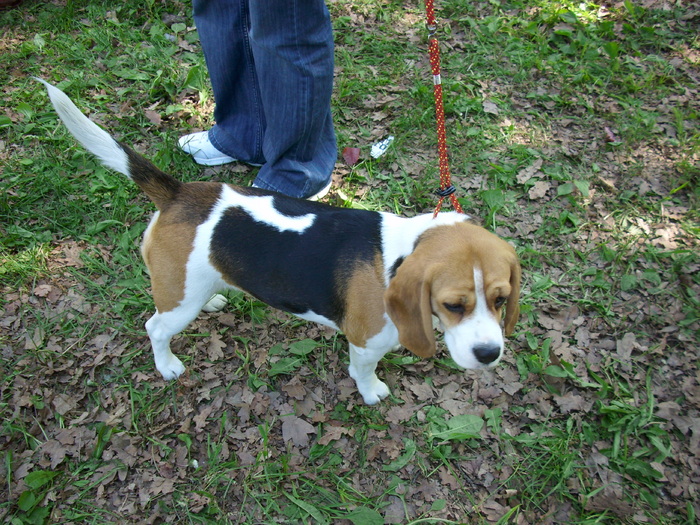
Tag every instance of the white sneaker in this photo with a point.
(315, 196)
(324, 191)
(202, 150)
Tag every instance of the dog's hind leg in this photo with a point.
(179, 291)
(164, 325)
(180, 295)
(161, 328)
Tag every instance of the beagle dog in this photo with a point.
(377, 277)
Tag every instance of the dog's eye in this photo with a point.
(500, 301)
(457, 308)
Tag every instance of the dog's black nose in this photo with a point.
(487, 353)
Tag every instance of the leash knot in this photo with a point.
(446, 192)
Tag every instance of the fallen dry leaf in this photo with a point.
(531, 171)
(297, 430)
(422, 390)
(609, 135)
(200, 420)
(215, 349)
(490, 107)
(570, 402)
(351, 156)
(626, 346)
(334, 433)
(153, 117)
(539, 190)
(294, 388)
(64, 403)
(400, 413)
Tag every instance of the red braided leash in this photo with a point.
(446, 187)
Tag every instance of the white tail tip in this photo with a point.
(96, 140)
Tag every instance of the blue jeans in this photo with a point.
(271, 69)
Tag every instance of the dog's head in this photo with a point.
(465, 276)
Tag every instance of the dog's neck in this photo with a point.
(400, 234)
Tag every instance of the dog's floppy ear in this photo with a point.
(513, 303)
(407, 302)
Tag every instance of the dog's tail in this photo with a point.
(160, 187)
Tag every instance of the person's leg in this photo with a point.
(223, 27)
(292, 44)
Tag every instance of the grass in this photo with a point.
(573, 132)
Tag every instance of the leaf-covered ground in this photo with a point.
(594, 414)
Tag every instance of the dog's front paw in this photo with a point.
(374, 391)
(172, 368)
(215, 304)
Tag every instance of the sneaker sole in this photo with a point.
(216, 161)
(321, 193)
